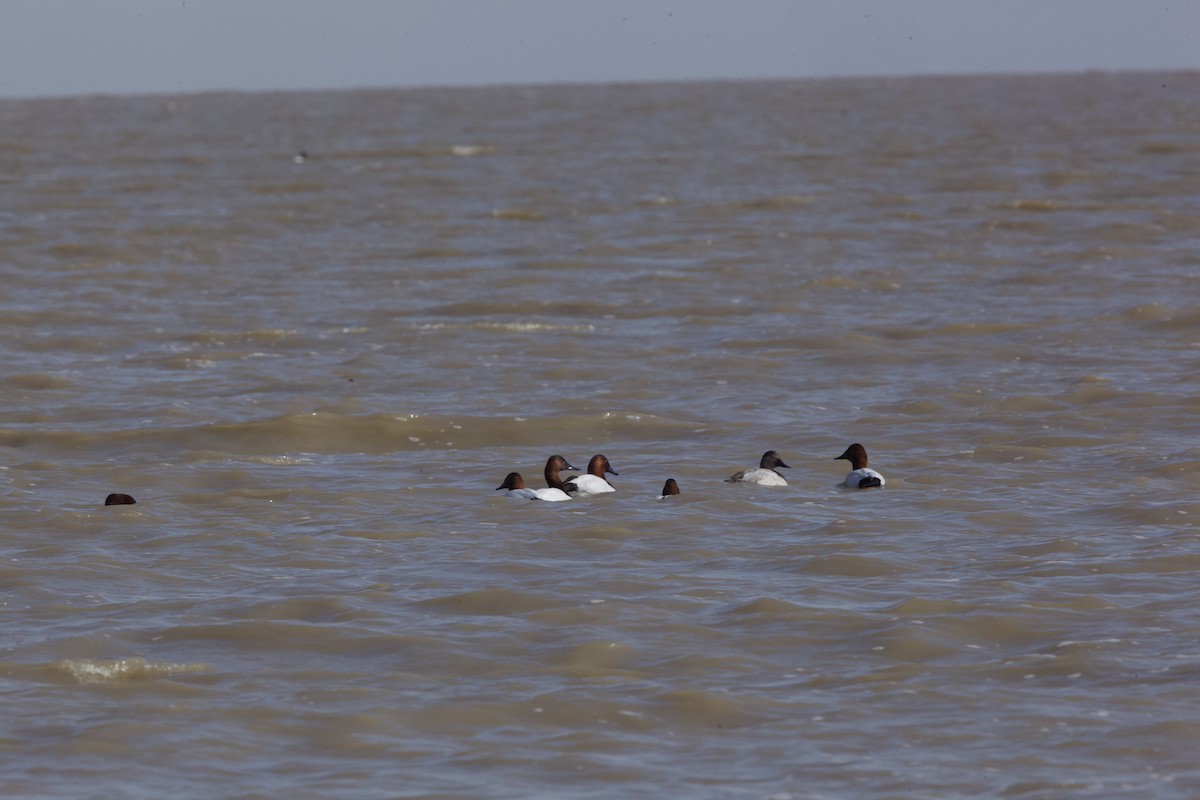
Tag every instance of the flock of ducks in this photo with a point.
(595, 481)
(557, 489)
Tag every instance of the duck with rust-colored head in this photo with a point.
(516, 489)
(554, 464)
(594, 481)
(861, 476)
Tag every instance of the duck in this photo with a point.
(119, 499)
(515, 485)
(861, 476)
(553, 465)
(670, 489)
(593, 482)
(764, 474)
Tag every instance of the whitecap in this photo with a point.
(86, 670)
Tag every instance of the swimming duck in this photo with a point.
(861, 476)
(670, 488)
(593, 482)
(764, 474)
(515, 485)
(553, 465)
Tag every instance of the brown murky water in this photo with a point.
(313, 373)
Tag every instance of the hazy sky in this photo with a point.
(54, 47)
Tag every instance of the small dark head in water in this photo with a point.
(117, 499)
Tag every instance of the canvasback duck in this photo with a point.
(670, 488)
(515, 485)
(593, 482)
(553, 465)
(764, 474)
(861, 476)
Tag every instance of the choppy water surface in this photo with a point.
(312, 374)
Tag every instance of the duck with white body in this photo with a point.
(764, 474)
(861, 476)
(594, 481)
